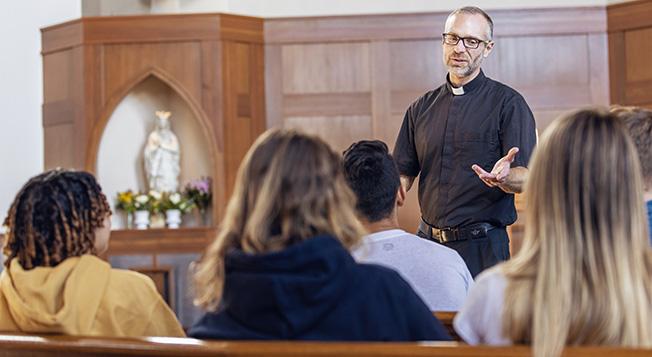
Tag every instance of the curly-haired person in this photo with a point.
(53, 281)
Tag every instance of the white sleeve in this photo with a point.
(480, 319)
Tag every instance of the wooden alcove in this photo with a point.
(214, 62)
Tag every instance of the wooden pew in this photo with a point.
(446, 318)
(68, 346)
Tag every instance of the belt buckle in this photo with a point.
(448, 234)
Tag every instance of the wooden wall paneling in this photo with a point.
(212, 102)
(522, 22)
(637, 45)
(381, 91)
(629, 15)
(124, 62)
(324, 68)
(339, 131)
(617, 67)
(552, 81)
(598, 68)
(257, 91)
(416, 65)
(326, 104)
(630, 30)
(239, 125)
(59, 143)
(273, 86)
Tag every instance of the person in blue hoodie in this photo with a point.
(280, 268)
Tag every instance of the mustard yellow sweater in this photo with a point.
(83, 296)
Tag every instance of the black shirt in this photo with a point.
(444, 133)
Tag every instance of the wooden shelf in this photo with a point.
(160, 241)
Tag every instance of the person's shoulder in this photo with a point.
(492, 279)
(504, 90)
(378, 275)
(426, 98)
(131, 281)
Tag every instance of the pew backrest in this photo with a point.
(70, 346)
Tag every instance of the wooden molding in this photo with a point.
(629, 15)
(58, 345)
(159, 241)
(151, 28)
(527, 22)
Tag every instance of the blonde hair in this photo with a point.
(289, 188)
(583, 273)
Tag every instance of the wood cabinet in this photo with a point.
(214, 62)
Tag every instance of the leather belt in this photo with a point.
(452, 234)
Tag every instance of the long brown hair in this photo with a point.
(54, 216)
(583, 275)
(290, 187)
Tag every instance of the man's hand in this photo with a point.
(502, 175)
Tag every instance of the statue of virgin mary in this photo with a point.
(162, 156)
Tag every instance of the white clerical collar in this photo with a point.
(458, 91)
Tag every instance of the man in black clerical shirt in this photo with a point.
(469, 141)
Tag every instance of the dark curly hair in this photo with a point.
(54, 216)
(372, 174)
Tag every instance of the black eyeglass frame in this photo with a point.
(463, 39)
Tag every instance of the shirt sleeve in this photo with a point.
(405, 152)
(518, 129)
(480, 319)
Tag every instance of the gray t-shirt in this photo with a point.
(480, 320)
(437, 273)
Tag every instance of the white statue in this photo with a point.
(162, 156)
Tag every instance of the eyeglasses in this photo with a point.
(469, 42)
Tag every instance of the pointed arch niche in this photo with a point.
(104, 77)
(119, 163)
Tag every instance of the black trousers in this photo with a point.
(480, 254)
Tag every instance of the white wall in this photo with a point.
(21, 88)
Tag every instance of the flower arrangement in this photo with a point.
(141, 202)
(124, 201)
(156, 201)
(176, 200)
(199, 192)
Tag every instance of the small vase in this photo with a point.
(141, 219)
(173, 218)
(205, 219)
(129, 220)
(157, 220)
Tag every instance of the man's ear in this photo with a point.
(400, 196)
(487, 49)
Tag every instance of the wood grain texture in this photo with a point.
(630, 30)
(160, 241)
(71, 346)
(528, 22)
(629, 15)
(321, 70)
(214, 62)
(151, 28)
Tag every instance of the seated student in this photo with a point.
(583, 275)
(280, 267)
(638, 122)
(55, 283)
(437, 273)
